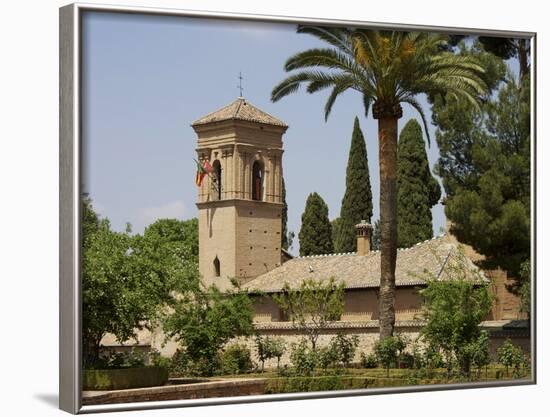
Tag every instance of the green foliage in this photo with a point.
(316, 232)
(368, 361)
(357, 201)
(387, 67)
(339, 352)
(235, 359)
(270, 347)
(388, 350)
(511, 356)
(344, 348)
(417, 190)
(453, 309)
(204, 321)
(479, 352)
(304, 359)
(126, 279)
(312, 305)
(485, 166)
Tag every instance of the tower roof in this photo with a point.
(240, 109)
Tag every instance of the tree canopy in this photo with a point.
(126, 279)
(485, 166)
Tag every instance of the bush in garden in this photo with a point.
(344, 348)
(303, 358)
(270, 347)
(388, 350)
(511, 356)
(235, 359)
(156, 359)
(368, 361)
(327, 357)
(480, 354)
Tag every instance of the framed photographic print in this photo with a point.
(259, 208)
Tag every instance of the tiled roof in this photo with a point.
(240, 109)
(430, 258)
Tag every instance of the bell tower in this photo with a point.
(240, 202)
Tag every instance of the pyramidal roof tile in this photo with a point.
(240, 109)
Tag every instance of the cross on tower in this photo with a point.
(240, 86)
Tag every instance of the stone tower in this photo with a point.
(240, 214)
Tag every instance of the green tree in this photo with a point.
(453, 309)
(203, 321)
(417, 190)
(127, 279)
(488, 203)
(387, 68)
(312, 306)
(388, 350)
(357, 201)
(316, 232)
(507, 48)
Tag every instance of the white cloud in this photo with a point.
(147, 215)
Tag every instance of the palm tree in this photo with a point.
(387, 68)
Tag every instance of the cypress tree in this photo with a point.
(357, 201)
(316, 232)
(417, 190)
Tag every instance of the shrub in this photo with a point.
(269, 348)
(388, 351)
(235, 359)
(344, 348)
(368, 361)
(303, 358)
(327, 357)
(453, 309)
(156, 359)
(511, 356)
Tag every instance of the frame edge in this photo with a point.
(69, 300)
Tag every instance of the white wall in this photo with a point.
(28, 217)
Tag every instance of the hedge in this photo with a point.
(113, 379)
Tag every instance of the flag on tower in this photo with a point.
(202, 171)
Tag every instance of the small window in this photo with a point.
(216, 267)
(257, 181)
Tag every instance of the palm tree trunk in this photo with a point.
(387, 153)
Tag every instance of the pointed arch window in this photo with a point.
(216, 267)
(257, 181)
(217, 180)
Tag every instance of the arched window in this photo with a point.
(216, 267)
(257, 181)
(217, 180)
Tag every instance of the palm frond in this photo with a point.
(416, 105)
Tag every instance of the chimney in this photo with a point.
(364, 231)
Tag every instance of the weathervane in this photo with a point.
(240, 86)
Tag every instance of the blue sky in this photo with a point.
(147, 78)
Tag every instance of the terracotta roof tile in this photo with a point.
(433, 257)
(240, 109)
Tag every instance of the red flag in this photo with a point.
(202, 171)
